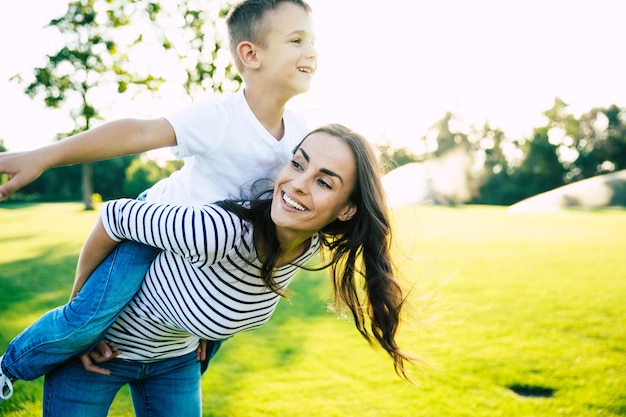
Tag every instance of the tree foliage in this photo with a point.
(101, 37)
(392, 158)
(104, 40)
(144, 172)
(89, 61)
(600, 142)
(506, 170)
(566, 149)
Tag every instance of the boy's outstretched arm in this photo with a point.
(113, 139)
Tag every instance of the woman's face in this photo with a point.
(314, 188)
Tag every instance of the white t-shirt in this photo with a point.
(225, 149)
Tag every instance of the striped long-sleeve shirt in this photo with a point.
(204, 284)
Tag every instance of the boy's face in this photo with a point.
(289, 58)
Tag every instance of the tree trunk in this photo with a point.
(88, 186)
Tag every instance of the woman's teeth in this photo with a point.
(293, 204)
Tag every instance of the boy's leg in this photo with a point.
(77, 326)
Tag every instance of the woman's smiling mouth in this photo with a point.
(293, 204)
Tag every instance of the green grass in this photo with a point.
(499, 301)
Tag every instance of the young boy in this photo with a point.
(227, 143)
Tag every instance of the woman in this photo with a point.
(238, 258)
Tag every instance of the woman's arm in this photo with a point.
(113, 139)
(184, 230)
(201, 234)
(193, 232)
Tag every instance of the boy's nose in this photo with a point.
(312, 51)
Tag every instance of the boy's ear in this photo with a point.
(246, 51)
(347, 213)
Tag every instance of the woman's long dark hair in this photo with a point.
(365, 237)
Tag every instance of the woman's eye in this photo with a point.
(325, 184)
(296, 164)
(297, 40)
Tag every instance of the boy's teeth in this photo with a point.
(293, 204)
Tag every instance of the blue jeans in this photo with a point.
(166, 388)
(78, 326)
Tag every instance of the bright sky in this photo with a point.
(391, 71)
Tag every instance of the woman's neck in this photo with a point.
(289, 255)
(291, 248)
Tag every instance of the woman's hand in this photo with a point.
(103, 352)
(201, 351)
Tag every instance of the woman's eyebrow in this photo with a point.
(324, 170)
(306, 155)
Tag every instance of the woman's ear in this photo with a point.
(246, 51)
(347, 213)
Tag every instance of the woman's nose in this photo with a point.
(300, 184)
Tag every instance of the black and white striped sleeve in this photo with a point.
(202, 234)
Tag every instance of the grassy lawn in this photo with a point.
(513, 314)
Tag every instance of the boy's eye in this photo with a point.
(298, 40)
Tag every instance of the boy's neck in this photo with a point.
(268, 110)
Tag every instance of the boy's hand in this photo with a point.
(22, 169)
(101, 353)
